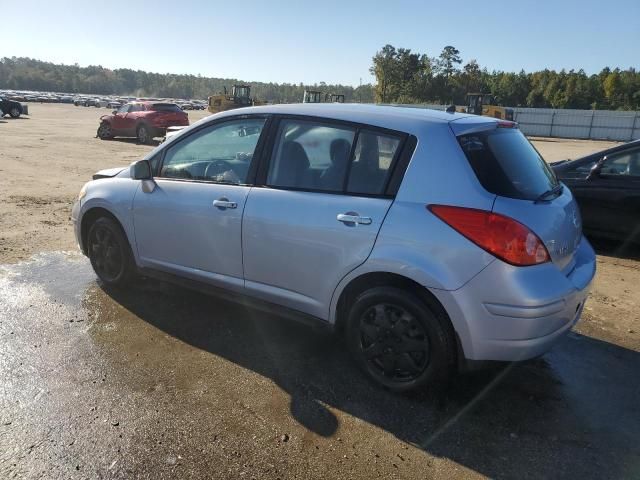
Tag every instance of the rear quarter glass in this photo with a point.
(506, 164)
(165, 107)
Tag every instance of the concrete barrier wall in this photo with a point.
(571, 123)
(587, 124)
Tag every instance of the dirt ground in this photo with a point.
(161, 382)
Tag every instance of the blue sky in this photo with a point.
(309, 42)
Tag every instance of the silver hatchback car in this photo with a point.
(428, 238)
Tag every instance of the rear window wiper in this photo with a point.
(557, 190)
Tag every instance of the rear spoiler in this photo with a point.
(467, 125)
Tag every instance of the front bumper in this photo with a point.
(75, 216)
(509, 313)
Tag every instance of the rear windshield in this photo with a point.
(506, 164)
(165, 107)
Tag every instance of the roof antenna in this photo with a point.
(451, 109)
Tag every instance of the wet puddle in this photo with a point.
(102, 376)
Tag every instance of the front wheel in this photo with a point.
(104, 131)
(15, 112)
(110, 253)
(398, 340)
(143, 134)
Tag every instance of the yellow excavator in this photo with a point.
(240, 97)
(486, 104)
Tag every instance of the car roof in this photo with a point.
(407, 119)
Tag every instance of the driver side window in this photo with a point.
(625, 163)
(220, 153)
(124, 108)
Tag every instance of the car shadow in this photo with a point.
(133, 141)
(21, 117)
(615, 248)
(573, 413)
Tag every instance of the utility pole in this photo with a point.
(360, 91)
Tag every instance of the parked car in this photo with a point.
(428, 238)
(606, 185)
(10, 107)
(144, 120)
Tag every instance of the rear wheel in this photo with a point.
(398, 340)
(109, 252)
(143, 134)
(104, 131)
(15, 112)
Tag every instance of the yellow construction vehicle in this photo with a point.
(315, 96)
(312, 96)
(240, 97)
(485, 104)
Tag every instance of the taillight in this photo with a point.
(501, 236)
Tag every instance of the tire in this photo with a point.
(398, 340)
(104, 131)
(110, 253)
(143, 134)
(15, 112)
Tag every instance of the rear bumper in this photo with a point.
(509, 313)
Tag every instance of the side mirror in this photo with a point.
(141, 170)
(596, 169)
(114, 112)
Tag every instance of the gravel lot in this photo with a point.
(160, 382)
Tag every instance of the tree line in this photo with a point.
(403, 76)
(30, 74)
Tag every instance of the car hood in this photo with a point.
(108, 172)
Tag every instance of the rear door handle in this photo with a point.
(224, 203)
(353, 218)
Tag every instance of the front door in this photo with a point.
(191, 223)
(610, 200)
(318, 214)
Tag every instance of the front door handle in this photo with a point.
(353, 218)
(224, 203)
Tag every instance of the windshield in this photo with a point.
(506, 164)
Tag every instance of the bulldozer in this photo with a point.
(240, 97)
(486, 104)
(315, 96)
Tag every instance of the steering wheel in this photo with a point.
(215, 168)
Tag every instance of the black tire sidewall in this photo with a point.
(148, 137)
(12, 112)
(127, 272)
(105, 137)
(439, 356)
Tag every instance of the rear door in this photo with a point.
(169, 114)
(317, 210)
(507, 165)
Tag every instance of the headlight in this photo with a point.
(83, 192)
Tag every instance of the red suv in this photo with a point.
(143, 120)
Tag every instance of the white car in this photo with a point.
(428, 238)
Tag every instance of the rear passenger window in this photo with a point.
(310, 155)
(372, 162)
